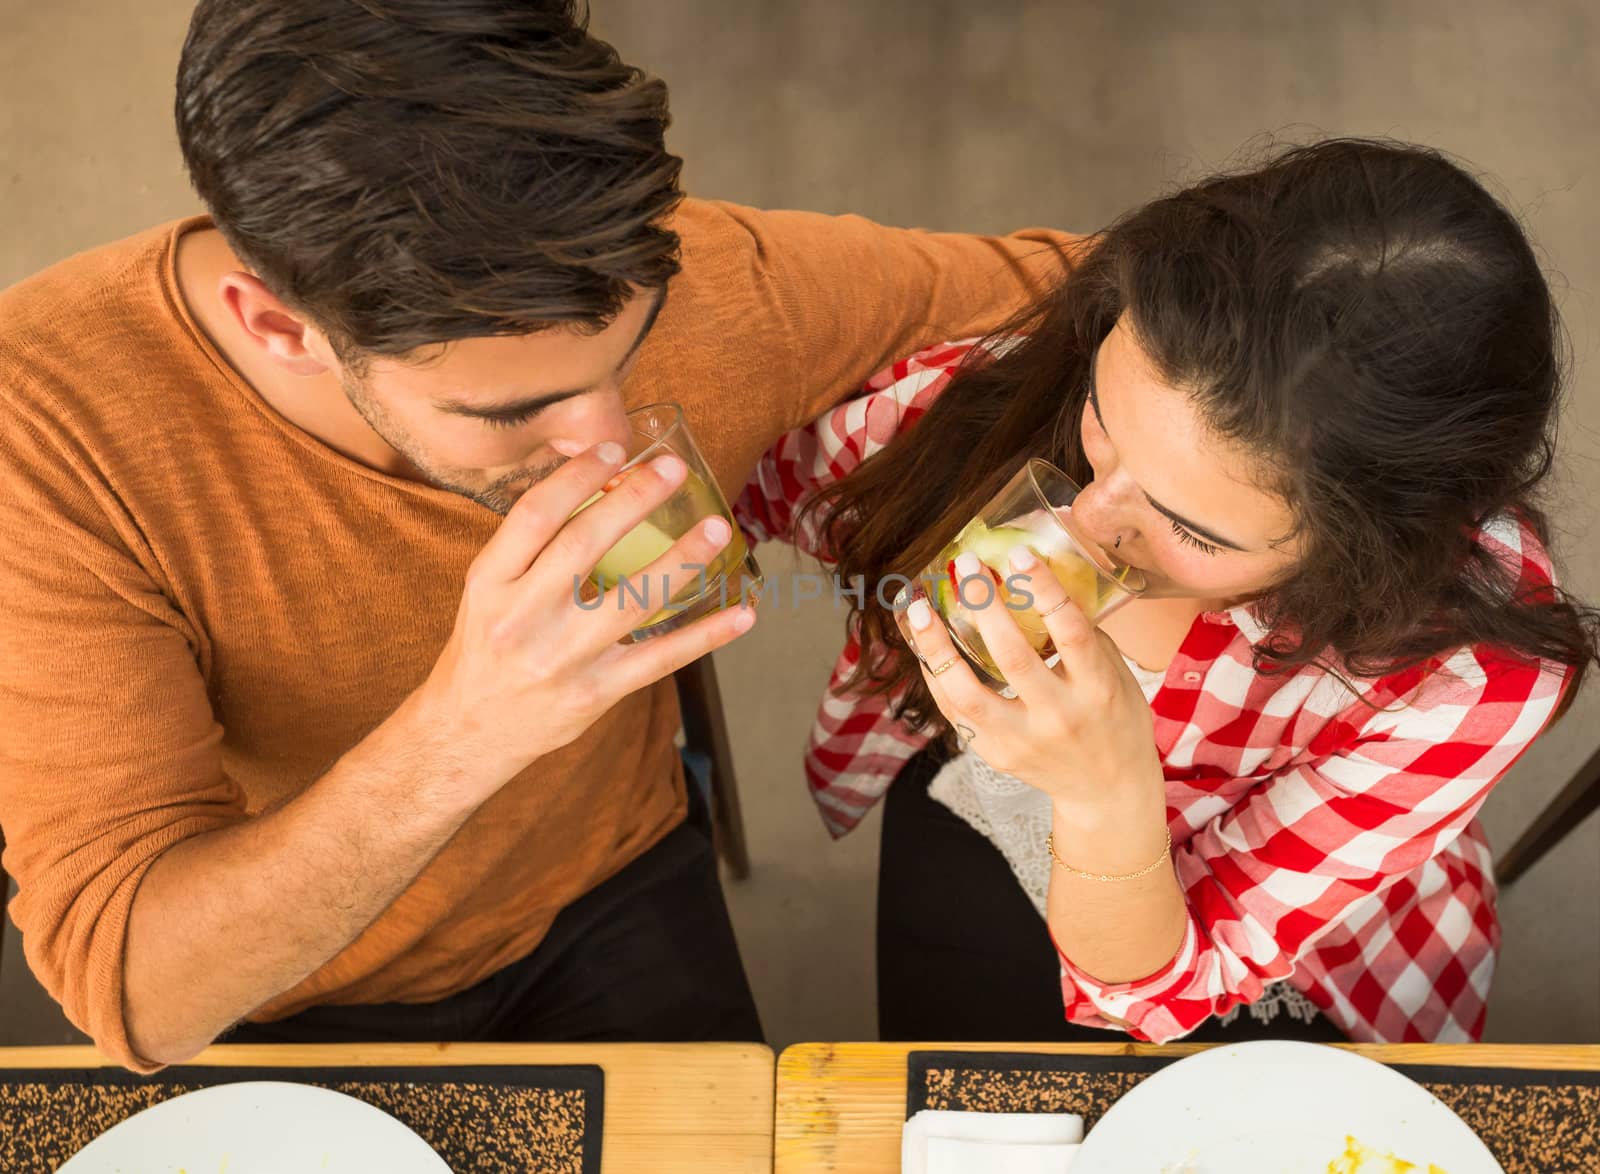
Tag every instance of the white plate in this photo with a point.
(1274, 1107)
(259, 1127)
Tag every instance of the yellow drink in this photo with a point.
(650, 539)
(730, 578)
(711, 589)
(1009, 589)
(1033, 510)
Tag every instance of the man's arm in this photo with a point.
(150, 904)
(259, 906)
(857, 296)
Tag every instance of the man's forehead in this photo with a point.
(505, 372)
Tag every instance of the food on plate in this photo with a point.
(1358, 1159)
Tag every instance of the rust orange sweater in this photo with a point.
(204, 607)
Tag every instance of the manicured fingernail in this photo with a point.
(668, 468)
(920, 614)
(718, 531)
(1022, 559)
(745, 620)
(610, 452)
(967, 565)
(567, 448)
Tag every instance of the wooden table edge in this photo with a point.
(634, 1136)
(801, 1061)
(400, 1055)
(841, 1106)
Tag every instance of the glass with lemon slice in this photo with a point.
(1033, 510)
(730, 577)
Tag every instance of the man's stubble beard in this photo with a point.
(499, 495)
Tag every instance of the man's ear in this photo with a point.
(282, 334)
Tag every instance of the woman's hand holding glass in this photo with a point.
(1082, 732)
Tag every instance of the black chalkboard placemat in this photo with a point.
(1535, 1121)
(477, 1118)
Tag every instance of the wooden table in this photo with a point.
(841, 1106)
(669, 1108)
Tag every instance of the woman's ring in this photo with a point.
(1052, 611)
(945, 667)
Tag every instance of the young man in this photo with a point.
(303, 724)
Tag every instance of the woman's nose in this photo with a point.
(1102, 511)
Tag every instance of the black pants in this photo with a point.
(649, 955)
(962, 952)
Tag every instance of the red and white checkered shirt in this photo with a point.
(1323, 839)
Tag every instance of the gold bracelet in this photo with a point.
(1165, 857)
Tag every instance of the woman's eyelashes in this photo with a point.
(1189, 539)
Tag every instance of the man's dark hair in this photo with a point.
(407, 172)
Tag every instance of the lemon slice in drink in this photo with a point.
(993, 548)
(636, 550)
(1075, 575)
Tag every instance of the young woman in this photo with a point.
(1311, 403)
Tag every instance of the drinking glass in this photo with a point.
(732, 574)
(1033, 510)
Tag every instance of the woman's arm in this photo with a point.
(1081, 733)
(856, 745)
(1267, 882)
(831, 447)
(1123, 930)
(1328, 843)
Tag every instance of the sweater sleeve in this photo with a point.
(856, 296)
(856, 746)
(111, 754)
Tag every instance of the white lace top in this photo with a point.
(1016, 819)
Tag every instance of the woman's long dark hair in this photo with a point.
(1361, 314)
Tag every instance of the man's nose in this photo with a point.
(592, 425)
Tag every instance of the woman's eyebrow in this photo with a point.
(1198, 531)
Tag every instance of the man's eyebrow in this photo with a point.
(510, 409)
(536, 403)
(1197, 531)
